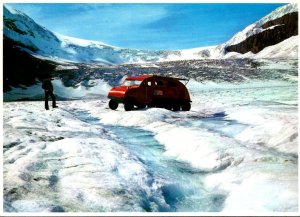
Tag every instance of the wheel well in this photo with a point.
(130, 100)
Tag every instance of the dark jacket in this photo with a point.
(47, 85)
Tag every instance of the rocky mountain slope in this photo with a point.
(272, 32)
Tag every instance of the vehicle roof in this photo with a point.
(138, 78)
(143, 77)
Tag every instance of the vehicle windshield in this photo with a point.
(128, 83)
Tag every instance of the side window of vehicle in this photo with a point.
(159, 83)
(172, 84)
(146, 84)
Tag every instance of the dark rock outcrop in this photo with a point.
(275, 31)
(21, 68)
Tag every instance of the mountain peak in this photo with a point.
(256, 27)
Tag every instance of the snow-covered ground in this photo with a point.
(234, 152)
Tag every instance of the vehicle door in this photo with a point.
(158, 88)
(146, 88)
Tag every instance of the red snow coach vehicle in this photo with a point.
(151, 91)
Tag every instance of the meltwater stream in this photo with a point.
(181, 185)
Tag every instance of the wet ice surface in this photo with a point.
(235, 151)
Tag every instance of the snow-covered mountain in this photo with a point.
(270, 30)
(258, 26)
(42, 43)
(273, 36)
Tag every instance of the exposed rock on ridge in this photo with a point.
(274, 32)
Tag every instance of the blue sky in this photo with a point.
(148, 26)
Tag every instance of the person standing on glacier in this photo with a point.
(48, 88)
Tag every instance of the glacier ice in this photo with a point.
(233, 152)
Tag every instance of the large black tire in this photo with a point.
(128, 106)
(168, 107)
(176, 107)
(113, 104)
(186, 106)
